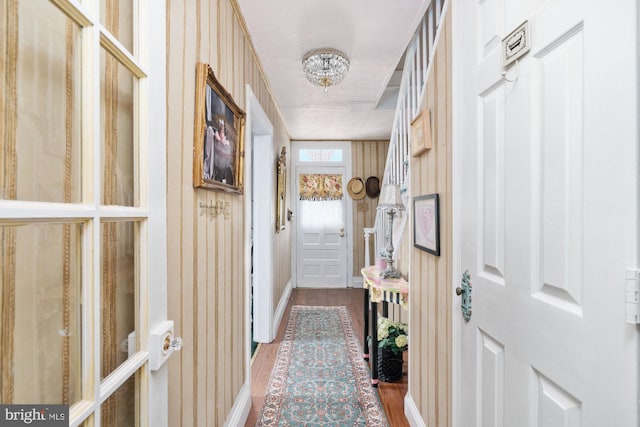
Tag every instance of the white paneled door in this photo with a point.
(321, 234)
(547, 173)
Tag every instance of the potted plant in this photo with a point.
(392, 341)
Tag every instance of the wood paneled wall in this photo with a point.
(367, 159)
(430, 276)
(206, 255)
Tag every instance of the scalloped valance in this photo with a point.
(320, 187)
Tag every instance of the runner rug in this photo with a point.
(319, 378)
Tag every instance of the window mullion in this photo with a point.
(75, 11)
(91, 179)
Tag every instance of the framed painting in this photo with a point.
(218, 148)
(281, 190)
(421, 133)
(426, 223)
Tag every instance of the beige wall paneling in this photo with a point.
(180, 106)
(211, 269)
(206, 254)
(223, 243)
(430, 276)
(367, 159)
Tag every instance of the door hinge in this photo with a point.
(632, 295)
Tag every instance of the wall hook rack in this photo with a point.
(217, 208)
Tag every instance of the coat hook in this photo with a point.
(504, 73)
(217, 208)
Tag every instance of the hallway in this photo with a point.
(391, 394)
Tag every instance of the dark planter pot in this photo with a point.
(389, 365)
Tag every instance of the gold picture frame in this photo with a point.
(218, 147)
(281, 191)
(421, 133)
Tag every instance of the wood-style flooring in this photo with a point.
(391, 394)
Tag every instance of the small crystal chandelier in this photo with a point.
(325, 67)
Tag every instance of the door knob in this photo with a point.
(459, 290)
(342, 232)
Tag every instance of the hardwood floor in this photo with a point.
(391, 394)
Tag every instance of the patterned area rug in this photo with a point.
(319, 378)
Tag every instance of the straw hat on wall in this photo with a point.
(356, 189)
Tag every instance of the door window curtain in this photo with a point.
(320, 187)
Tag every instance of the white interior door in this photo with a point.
(548, 215)
(321, 234)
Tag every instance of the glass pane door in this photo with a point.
(74, 209)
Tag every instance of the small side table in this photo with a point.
(377, 289)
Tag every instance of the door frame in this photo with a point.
(346, 163)
(259, 129)
(457, 82)
(158, 405)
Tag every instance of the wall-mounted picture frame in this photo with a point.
(426, 223)
(421, 133)
(281, 191)
(218, 148)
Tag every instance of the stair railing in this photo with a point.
(418, 56)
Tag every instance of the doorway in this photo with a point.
(321, 246)
(260, 226)
(321, 243)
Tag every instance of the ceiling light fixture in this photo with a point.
(325, 67)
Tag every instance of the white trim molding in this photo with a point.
(411, 412)
(282, 305)
(457, 79)
(259, 230)
(240, 410)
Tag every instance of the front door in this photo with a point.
(548, 215)
(321, 245)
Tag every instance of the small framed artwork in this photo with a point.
(218, 148)
(421, 133)
(426, 223)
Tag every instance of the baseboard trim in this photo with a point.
(282, 305)
(412, 413)
(357, 282)
(240, 410)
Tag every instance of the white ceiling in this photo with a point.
(373, 34)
